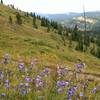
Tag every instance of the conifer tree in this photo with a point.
(34, 22)
(98, 52)
(1, 1)
(18, 19)
(10, 19)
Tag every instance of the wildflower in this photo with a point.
(62, 71)
(74, 89)
(70, 94)
(21, 66)
(3, 95)
(61, 83)
(27, 79)
(96, 89)
(6, 81)
(45, 72)
(24, 91)
(39, 82)
(38, 79)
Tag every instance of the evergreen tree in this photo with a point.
(80, 43)
(75, 33)
(10, 19)
(1, 1)
(48, 28)
(34, 22)
(98, 52)
(18, 19)
(86, 41)
(70, 40)
(93, 49)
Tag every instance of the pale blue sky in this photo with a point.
(55, 6)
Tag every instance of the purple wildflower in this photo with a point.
(61, 83)
(45, 72)
(24, 91)
(3, 95)
(70, 94)
(39, 82)
(94, 90)
(21, 66)
(27, 79)
(80, 65)
(62, 71)
(74, 89)
(6, 81)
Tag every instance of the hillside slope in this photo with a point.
(24, 42)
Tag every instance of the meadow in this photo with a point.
(33, 81)
(35, 65)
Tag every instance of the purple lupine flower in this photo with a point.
(7, 81)
(62, 71)
(60, 91)
(38, 79)
(70, 94)
(3, 95)
(21, 66)
(80, 65)
(74, 89)
(94, 90)
(23, 91)
(27, 79)
(45, 72)
(39, 82)
(61, 83)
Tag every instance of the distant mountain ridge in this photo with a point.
(70, 19)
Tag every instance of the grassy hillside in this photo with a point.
(25, 41)
(22, 78)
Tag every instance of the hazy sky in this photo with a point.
(55, 6)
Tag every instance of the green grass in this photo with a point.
(26, 42)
